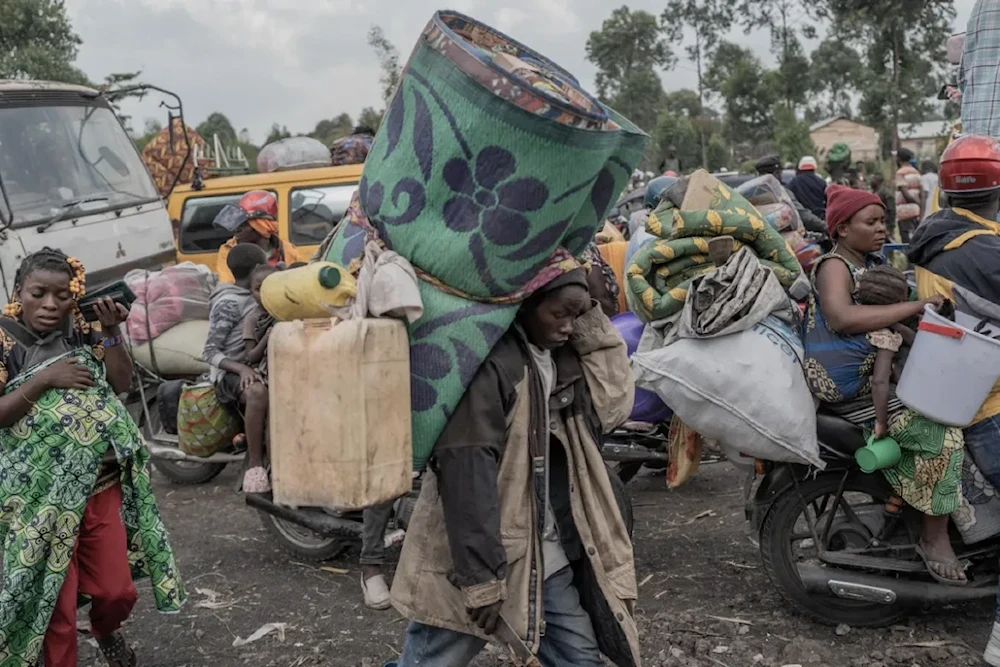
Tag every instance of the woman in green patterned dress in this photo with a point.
(77, 515)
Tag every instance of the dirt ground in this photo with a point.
(704, 600)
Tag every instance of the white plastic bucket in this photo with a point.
(950, 371)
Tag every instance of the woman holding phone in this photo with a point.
(78, 519)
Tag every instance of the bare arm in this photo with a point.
(256, 350)
(835, 285)
(906, 332)
(880, 390)
(118, 364)
(17, 403)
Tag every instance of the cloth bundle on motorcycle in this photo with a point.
(339, 418)
(176, 352)
(492, 167)
(731, 365)
(204, 425)
(164, 299)
(661, 272)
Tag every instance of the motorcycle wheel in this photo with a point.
(786, 525)
(301, 542)
(179, 472)
(623, 499)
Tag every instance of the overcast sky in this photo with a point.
(298, 61)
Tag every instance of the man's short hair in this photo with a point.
(904, 154)
(244, 258)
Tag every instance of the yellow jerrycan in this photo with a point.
(312, 291)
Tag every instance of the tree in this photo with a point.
(370, 118)
(629, 46)
(331, 129)
(677, 140)
(785, 20)
(117, 82)
(640, 98)
(277, 133)
(388, 60)
(37, 41)
(218, 123)
(719, 155)
(791, 135)
(835, 75)
(706, 19)
(903, 43)
(748, 92)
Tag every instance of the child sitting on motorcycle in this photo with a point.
(842, 343)
(237, 384)
(258, 323)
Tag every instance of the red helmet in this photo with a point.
(970, 164)
(254, 205)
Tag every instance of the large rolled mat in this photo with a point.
(486, 179)
(661, 272)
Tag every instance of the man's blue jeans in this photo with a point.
(569, 639)
(982, 442)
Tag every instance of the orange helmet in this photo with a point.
(970, 164)
(254, 205)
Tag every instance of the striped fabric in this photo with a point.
(980, 71)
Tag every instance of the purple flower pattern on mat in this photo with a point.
(488, 198)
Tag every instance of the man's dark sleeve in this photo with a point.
(811, 221)
(466, 461)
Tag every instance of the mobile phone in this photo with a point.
(118, 291)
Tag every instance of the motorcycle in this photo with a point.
(840, 546)
(317, 534)
(146, 402)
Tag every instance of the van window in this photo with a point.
(316, 210)
(197, 233)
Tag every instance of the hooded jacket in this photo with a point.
(955, 248)
(228, 307)
(474, 537)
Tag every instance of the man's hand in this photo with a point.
(487, 618)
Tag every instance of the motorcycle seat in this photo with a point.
(838, 434)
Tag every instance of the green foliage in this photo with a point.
(38, 42)
(836, 72)
(677, 139)
(627, 51)
(370, 118)
(791, 135)
(640, 98)
(217, 123)
(152, 128)
(119, 81)
(277, 133)
(719, 155)
(332, 129)
(388, 60)
(747, 90)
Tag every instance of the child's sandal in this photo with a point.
(255, 480)
(117, 652)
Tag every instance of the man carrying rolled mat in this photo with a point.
(517, 534)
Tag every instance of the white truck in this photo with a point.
(71, 178)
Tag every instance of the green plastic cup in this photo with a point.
(878, 454)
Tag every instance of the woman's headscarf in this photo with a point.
(843, 202)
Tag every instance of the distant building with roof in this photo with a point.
(862, 139)
(926, 140)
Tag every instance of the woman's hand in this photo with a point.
(881, 430)
(248, 376)
(67, 374)
(936, 300)
(109, 313)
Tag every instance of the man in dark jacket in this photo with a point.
(771, 164)
(517, 527)
(809, 187)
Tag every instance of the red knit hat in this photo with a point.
(843, 202)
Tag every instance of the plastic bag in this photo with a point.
(293, 153)
(747, 390)
(166, 298)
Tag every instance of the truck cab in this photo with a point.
(71, 178)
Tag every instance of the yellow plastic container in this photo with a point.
(312, 291)
(339, 415)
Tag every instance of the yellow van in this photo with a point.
(310, 203)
